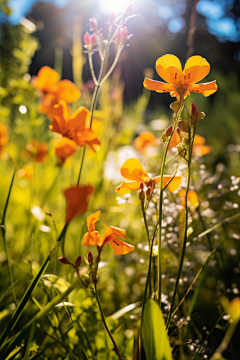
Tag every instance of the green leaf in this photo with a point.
(155, 338)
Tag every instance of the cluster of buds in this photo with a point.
(77, 264)
(195, 115)
(122, 36)
(166, 134)
(145, 194)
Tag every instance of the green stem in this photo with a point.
(105, 324)
(147, 231)
(160, 210)
(186, 226)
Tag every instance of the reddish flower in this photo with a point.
(4, 138)
(77, 198)
(111, 235)
(75, 127)
(64, 148)
(192, 198)
(37, 150)
(89, 40)
(53, 90)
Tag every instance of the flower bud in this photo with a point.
(128, 10)
(180, 150)
(185, 141)
(86, 279)
(112, 18)
(141, 185)
(175, 106)
(78, 261)
(169, 131)
(89, 40)
(183, 126)
(64, 260)
(122, 36)
(194, 112)
(93, 25)
(178, 130)
(90, 258)
(141, 195)
(200, 115)
(148, 193)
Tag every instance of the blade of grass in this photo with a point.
(32, 330)
(3, 228)
(8, 289)
(10, 343)
(214, 227)
(24, 300)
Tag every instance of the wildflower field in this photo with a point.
(119, 206)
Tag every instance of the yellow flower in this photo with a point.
(181, 82)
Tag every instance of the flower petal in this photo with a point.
(144, 140)
(120, 247)
(111, 235)
(80, 120)
(170, 69)
(192, 198)
(206, 88)
(66, 90)
(65, 147)
(127, 186)
(92, 219)
(61, 118)
(133, 170)
(201, 150)
(91, 238)
(85, 137)
(46, 79)
(198, 140)
(174, 184)
(196, 69)
(157, 86)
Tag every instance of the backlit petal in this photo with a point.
(46, 79)
(198, 140)
(65, 147)
(61, 118)
(192, 198)
(196, 69)
(144, 140)
(174, 184)
(206, 88)
(201, 150)
(77, 198)
(133, 170)
(127, 186)
(85, 137)
(157, 86)
(66, 90)
(120, 247)
(112, 233)
(80, 120)
(91, 238)
(92, 219)
(170, 69)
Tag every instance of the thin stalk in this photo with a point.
(145, 293)
(91, 67)
(147, 231)
(105, 324)
(113, 65)
(186, 227)
(160, 209)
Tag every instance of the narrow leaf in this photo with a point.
(155, 339)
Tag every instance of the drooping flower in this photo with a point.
(180, 82)
(144, 140)
(4, 138)
(111, 235)
(75, 127)
(133, 170)
(53, 90)
(77, 198)
(38, 151)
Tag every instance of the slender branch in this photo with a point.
(113, 65)
(105, 324)
(91, 67)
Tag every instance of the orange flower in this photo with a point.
(77, 198)
(38, 151)
(199, 148)
(27, 171)
(75, 127)
(53, 90)
(144, 140)
(4, 138)
(181, 83)
(175, 140)
(111, 235)
(192, 198)
(64, 148)
(133, 170)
